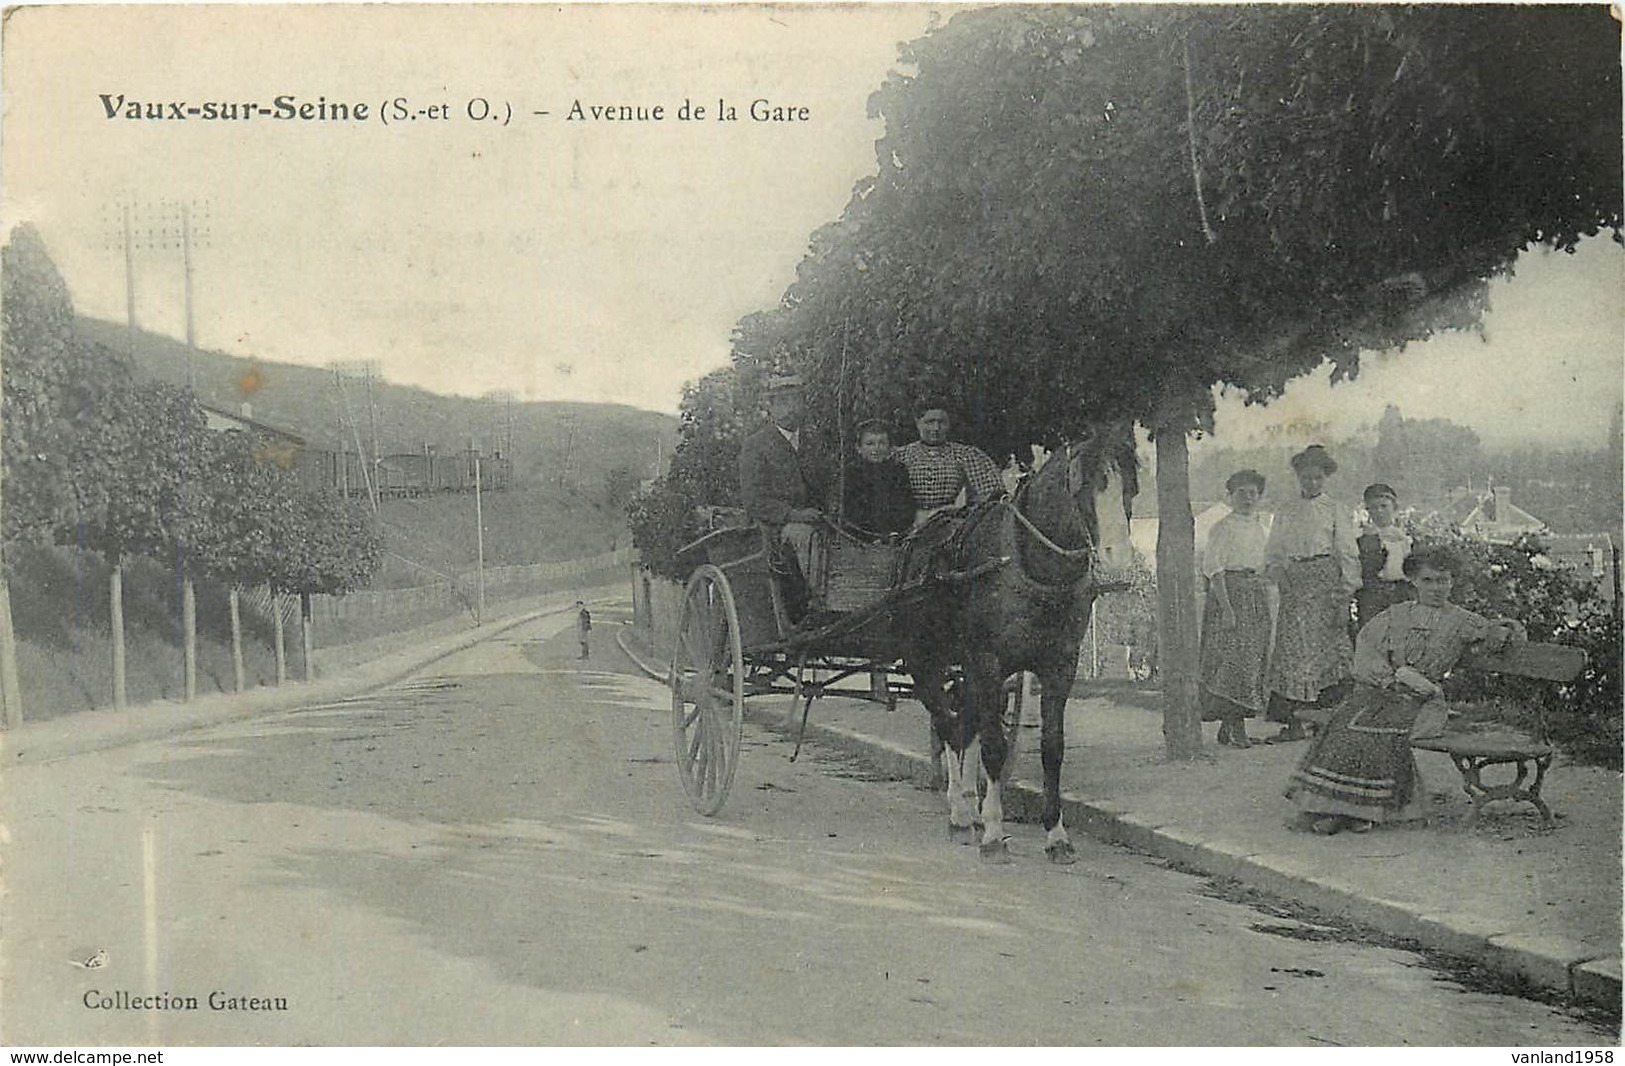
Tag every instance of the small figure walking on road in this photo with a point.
(583, 627)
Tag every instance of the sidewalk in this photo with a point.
(1540, 906)
(343, 671)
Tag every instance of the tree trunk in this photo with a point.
(236, 642)
(305, 635)
(1178, 652)
(11, 698)
(277, 604)
(115, 611)
(189, 635)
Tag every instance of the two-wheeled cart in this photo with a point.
(736, 639)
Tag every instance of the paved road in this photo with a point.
(497, 851)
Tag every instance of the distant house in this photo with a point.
(1490, 516)
(218, 418)
(1494, 518)
(312, 466)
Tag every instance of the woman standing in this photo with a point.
(1311, 555)
(1360, 770)
(1236, 619)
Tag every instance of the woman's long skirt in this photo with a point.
(1233, 657)
(1312, 650)
(1361, 765)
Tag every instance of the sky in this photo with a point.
(578, 260)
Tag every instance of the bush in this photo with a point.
(662, 519)
(1559, 606)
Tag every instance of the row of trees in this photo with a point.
(97, 459)
(1086, 214)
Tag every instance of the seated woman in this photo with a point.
(878, 499)
(1360, 770)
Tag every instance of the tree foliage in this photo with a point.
(335, 547)
(97, 459)
(246, 519)
(56, 387)
(704, 470)
(1111, 209)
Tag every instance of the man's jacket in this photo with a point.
(774, 478)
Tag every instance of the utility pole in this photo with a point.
(188, 586)
(129, 281)
(342, 370)
(168, 226)
(479, 545)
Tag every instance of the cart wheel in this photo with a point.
(707, 690)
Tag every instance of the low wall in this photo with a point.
(657, 603)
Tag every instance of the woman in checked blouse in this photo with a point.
(939, 469)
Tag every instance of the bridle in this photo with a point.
(1073, 477)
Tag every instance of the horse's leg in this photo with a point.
(984, 692)
(1057, 681)
(929, 676)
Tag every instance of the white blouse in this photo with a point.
(1304, 529)
(1236, 542)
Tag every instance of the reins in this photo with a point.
(1071, 555)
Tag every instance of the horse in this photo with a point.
(1014, 583)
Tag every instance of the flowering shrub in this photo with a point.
(1558, 606)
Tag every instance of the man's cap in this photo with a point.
(776, 382)
(1379, 490)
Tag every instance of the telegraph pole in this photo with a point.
(165, 230)
(129, 280)
(479, 544)
(341, 370)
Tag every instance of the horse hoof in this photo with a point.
(961, 834)
(996, 852)
(1061, 853)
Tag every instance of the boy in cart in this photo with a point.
(878, 499)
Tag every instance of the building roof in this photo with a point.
(1491, 516)
(221, 419)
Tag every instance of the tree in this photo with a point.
(333, 546)
(704, 468)
(1084, 213)
(242, 522)
(56, 386)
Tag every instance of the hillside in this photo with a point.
(568, 445)
(435, 535)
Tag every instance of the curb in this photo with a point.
(1548, 962)
(93, 731)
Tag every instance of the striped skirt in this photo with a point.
(1361, 764)
(1233, 657)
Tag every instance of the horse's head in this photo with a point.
(1082, 495)
(1103, 478)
